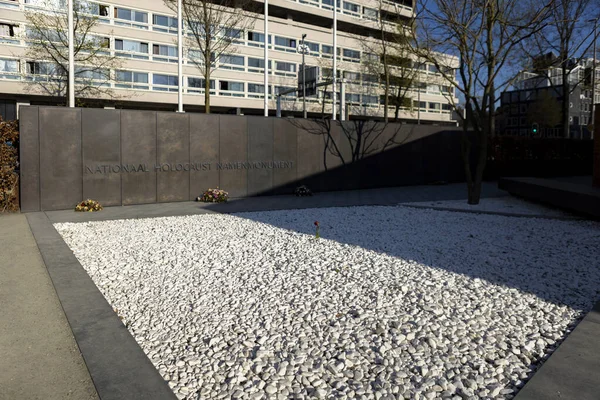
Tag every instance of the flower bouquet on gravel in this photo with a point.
(214, 196)
(303, 191)
(88, 206)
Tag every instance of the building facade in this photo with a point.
(537, 98)
(143, 35)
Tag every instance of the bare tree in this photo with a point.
(567, 35)
(478, 40)
(48, 40)
(214, 26)
(389, 57)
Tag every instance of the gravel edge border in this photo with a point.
(573, 370)
(118, 366)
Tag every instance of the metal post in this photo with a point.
(266, 57)
(334, 105)
(179, 58)
(342, 101)
(71, 54)
(278, 106)
(418, 106)
(594, 81)
(303, 78)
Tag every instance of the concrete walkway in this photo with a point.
(39, 356)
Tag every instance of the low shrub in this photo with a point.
(9, 163)
(88, 206)
(303, 191)
(214, 196)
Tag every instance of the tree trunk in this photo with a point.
(565, 99)
(386, 93)
(565, 106)
(474, 193)
(207, 87)
(474, 180)
(397, 110)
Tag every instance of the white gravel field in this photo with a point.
(390, 303)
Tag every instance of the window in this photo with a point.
(351, 8)
(257, 64)
(131, 45)
(8, 33)
(434, 107)
(328, 4)
(228, 88)
(131, 49)
(312, 47)
(370, 57)
(164, 80)
(100, 10)
(83, 73)
(164, 53)
(369, 79)
(257, 91)
(196, 85)
(257, 39)
(370, 13)
(163, 23)
(9, 69)
(228, 61)
(104, 42)
(136, 17)
(285, 44)
(368, 99)
(422, 105)
(13, 5)
(233, 33)
(433, 89)
(328, 50)
(285, 68)
(353, 97)
(40, 68)
(131, 79)
(352, 76)
(446, 108)
(351, 55)
(7, 30)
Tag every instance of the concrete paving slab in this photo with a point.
(118, 366)
(573, 370)
(39, 356)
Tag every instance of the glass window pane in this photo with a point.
(140, 77)
(124, 76)
(161, 20)
(123, 13)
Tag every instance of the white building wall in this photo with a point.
(436, 104)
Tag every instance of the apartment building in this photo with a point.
(143, 34)
(543, 90)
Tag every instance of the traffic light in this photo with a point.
(534, 128)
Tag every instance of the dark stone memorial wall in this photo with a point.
(124, 157)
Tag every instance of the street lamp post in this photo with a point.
(71, 51)
(303, 49)
(595, 20)
(266, 58)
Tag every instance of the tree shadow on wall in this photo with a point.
(351, 141)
